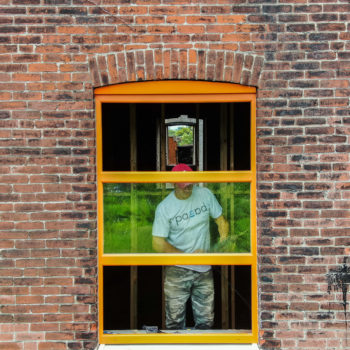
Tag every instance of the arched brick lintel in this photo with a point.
(142, 65)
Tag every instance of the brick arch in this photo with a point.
(157, 64)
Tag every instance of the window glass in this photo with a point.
(145, 221)
(232, 301)
(129, 216)
(153, 136)
(111, 127)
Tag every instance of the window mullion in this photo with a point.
(178, 259)
(164, 177)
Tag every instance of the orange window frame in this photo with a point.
(177, 92)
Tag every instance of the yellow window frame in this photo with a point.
(177, 92)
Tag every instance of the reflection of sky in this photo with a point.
(118, 188)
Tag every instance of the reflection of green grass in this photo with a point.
(235, 199)
(116, 237)
(118, 212)
(117, 231)
(121, 217)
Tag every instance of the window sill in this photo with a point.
(180, 347)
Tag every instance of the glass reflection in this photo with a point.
(130, 216)
(232, 313)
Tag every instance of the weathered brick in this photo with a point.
(53, 54)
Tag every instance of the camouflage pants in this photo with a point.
(179, 285)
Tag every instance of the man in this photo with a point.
(181, 225)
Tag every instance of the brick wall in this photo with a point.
(52, 54)
(303, 162)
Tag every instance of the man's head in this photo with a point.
(181, 167)
(183, 190)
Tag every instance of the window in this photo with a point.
(143, 130)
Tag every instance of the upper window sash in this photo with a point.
(174, 92)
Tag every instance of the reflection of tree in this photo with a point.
(183, 135)
(119, 212)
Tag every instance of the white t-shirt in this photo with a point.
(185, 222)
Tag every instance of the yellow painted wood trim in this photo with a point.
(253, 223)
(174, 87)
(177, 92)
(254, 299)
(194, 98)
(160, 338)
(177, 259)
(169, 176)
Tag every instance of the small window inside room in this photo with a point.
(140, 139)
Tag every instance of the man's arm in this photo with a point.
(161, 245)
(223, 227)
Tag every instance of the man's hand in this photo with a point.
(161, 245)
(198, 251)
(223, 227)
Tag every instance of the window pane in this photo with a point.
(190, 218)
(241, 136)
(143, 301)
(147, 120)
(141, 136)
(116, 136)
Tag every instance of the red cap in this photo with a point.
(182, 167)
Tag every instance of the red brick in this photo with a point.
(52, 346)
(176, 19)
(39, 67)
(45, 327)
(297, 56)
(29, 299)
(235, 37)
(10, 346)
